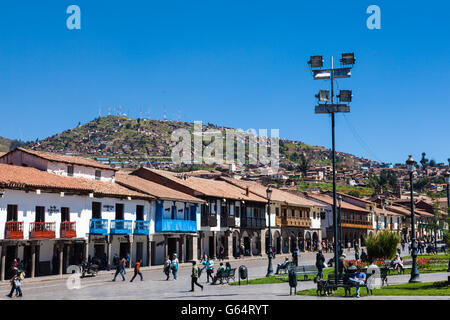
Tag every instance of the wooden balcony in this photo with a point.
(360, 224)
(42, 230)
(14, 230)
(68, 230)
(293, 222)
(254, 223)
(227, 221)
(208, 220)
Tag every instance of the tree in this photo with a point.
(303, 164)
(382, 245)
(424, 161)
(432, 163)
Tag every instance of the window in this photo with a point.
(11, 212)
(119, 211)
(238, 211)
(139, 212)
(70, 171)
(277, 212)
(98, 174)
(96, 210)
(65, 214)
(40, 214)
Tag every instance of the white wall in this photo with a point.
(60, 168)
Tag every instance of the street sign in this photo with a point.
(329, 108)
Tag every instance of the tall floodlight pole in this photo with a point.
(332, 108)
(411, 165)
(447, 181)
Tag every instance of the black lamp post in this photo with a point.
(447, 180)
(269, 268)
(341, 249)
(411, 165)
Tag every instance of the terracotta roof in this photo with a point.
(65, 159)
(407, 212)
(277, 195)
(329, 200)
(112, 189)
(386, 211)
(25, 177)
(152, 188)
(211, 188)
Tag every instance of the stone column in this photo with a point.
(131, 251)
(108, 250)
(229, 247)
(60, 256)
(182, 255)
(149, 255)
(166, 248)
(214, 245)
(3, 253)
(67, 262)
(33, 260)
(263, 241)
(86, 250)
(194, 247)
(251, 245)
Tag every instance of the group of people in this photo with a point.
(121, 265)
(171, 265)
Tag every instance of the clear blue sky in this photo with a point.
(235, 63)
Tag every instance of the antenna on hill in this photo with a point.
(165, 113)
(109, 110)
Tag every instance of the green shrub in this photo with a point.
(382, 244)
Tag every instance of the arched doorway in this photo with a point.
(308, 241)
(315, 240)
(301, 241)
(277, 242)
(236, 242)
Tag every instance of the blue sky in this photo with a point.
(234, 63)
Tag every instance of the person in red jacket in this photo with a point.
(137, 270)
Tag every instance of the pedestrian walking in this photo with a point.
(167, 267)
(221, 252)
(124, 263)
(15, 283)
(320, 261)
(137, 270)
(119, 270)
(127, 257)
(209, 269)
(174, 266)
(194, 276)
(295, 255)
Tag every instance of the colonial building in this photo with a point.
(294, 220)
(230, 216)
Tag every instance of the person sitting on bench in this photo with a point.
(219, 274)
(358, 279)
(397, 263)
(282, 266)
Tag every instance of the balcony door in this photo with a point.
(11, 214)
(96, 210)
(139, 212)
(119, 211)
(65, 214)
(40, 214)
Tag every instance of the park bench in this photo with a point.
(227, 275)
(285, 269)
(304, 271)
(344, 282)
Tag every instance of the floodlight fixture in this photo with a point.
(345, 95)
(323, 95)
(322, 74)
(348, 58)
(316, 61)
(342, 72)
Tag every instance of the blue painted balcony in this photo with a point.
(98, 226)
(121, 227)
(142, 227)
(174, 225)
(173, 221)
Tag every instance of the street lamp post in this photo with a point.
(447, 180)
(411, 165)
(341, 249)
(269, 267)
(316, 63)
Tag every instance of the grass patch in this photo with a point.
(440, 288)
(443, 257)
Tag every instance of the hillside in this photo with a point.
(131, 142)
(8, 144)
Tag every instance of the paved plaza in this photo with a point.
(155, 286)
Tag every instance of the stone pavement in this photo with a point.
(155, 286)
